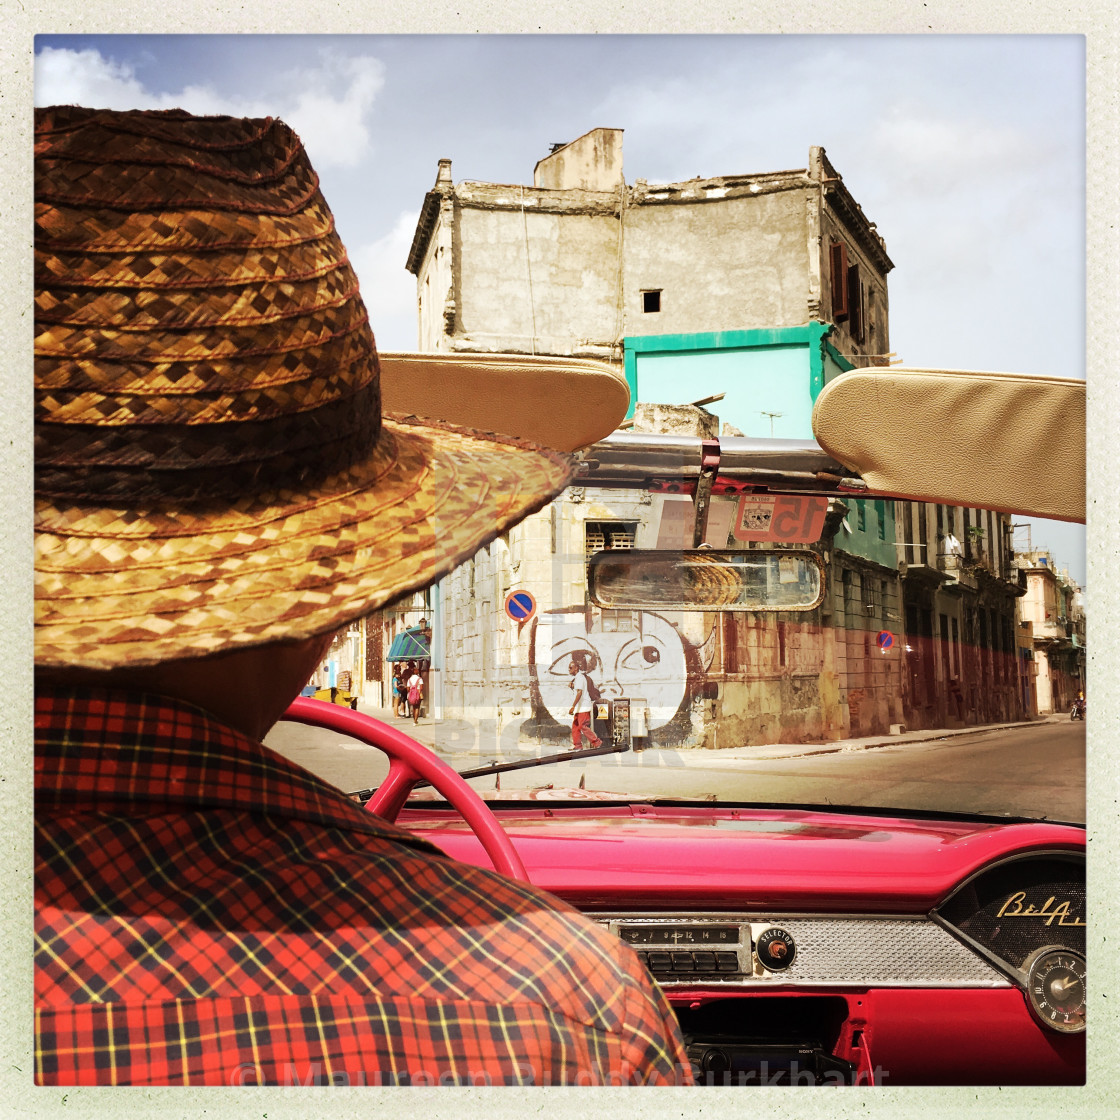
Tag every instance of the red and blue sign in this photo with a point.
(520, 606)
(885, 640)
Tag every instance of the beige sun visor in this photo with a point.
(1001, 441)
(563, 403)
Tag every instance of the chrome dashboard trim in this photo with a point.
(832, 950)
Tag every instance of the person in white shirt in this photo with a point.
(580, 711)
(415, 686)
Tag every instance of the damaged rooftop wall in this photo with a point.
(581, 260)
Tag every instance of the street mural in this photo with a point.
(640, 655)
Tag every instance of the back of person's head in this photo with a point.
(213, 469)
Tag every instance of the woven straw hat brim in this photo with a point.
(120, 586)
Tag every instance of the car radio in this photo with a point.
(730, 1060)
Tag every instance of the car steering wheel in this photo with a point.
(409, 763)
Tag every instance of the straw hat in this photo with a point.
(212, 466)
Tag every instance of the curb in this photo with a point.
(776, 751)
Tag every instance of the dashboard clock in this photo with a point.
(1056, 989)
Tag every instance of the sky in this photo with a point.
(967, 151)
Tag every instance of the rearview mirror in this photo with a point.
(706, 579)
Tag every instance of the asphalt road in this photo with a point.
(1034, 770)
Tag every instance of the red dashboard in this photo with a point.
(802, 946)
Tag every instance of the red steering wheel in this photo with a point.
(409, 762)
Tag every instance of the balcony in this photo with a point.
(959, 572)
(1052, 630)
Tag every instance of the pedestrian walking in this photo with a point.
(580, 711)
(415, 685)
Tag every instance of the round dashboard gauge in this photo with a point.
(1056, 989)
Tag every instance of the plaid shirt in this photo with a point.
(209, 913)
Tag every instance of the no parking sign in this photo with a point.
(885, 640)
(520, 606)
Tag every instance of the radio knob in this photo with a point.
(775, 949)
(715, 1061)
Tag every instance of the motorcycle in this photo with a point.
(1078, 709)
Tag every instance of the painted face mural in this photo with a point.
(640, 656)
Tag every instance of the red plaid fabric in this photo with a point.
(209, 913)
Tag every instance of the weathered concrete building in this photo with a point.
(959, 596)
(768, 677)
(759, 286)
(1052, 613)
(692, 678)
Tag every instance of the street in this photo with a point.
(1034, 770)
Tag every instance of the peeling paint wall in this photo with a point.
(580, 259)
(731, 263)
(591, 163)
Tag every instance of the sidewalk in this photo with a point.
(769, 751)
(441, 735)
(458, 737)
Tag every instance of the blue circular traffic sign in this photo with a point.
(885, 639)
(520, 606)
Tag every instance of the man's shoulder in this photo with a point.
(514, 942)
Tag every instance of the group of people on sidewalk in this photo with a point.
(408, 691)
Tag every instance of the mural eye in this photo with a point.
(638, 658)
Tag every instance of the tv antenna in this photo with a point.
(771, 415)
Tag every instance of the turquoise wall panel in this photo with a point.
(876, 539)
(755, 381)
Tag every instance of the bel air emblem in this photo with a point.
(1014, 908)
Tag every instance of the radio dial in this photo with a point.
(715, 1061)
(775, 949)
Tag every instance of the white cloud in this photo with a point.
(65, 77)
(333, 124)
(938, 150)
(388, 288)
(328, 104)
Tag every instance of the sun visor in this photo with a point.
(563, 403)
(1009, 442)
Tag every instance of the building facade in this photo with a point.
(1052, 617)
(960, 592)
(581, 263)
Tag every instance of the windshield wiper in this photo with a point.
(363, 795)
(544, 760)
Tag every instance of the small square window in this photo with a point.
(651, 301)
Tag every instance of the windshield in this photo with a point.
(937, 669)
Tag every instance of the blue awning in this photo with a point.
(410, 645)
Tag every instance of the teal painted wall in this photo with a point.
(872, 525)
(775, 379)
(760, 371)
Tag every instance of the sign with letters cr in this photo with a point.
(786, 518)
